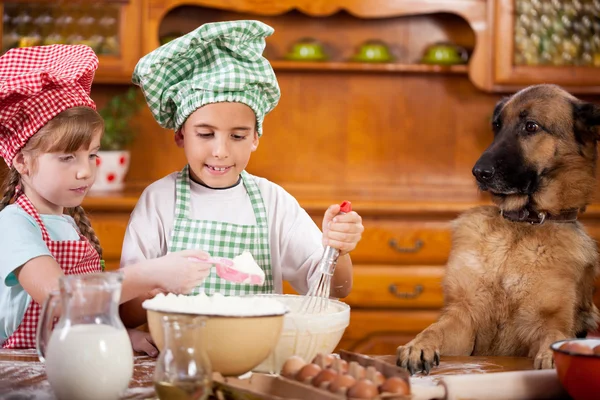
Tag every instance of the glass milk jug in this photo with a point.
(183, 370)
(88, 354)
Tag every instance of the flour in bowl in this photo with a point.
(217, 305)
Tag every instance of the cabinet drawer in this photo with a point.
(110, 229)
(388, 241)
(377, 286)
(381, 332)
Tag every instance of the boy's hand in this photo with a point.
(142, 342)
(182, 271)
(341, 231)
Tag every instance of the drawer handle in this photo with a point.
(418, 245)
(393, 289)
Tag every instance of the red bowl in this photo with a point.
(579, 374)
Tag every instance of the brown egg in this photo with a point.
(291, 366)
(307, 372)
(324, 378)
(323, 360)
(363, 389)
(340, 366)
(374, 376)
(597, 350)
(356, 370)
(577, 348)
(394, 385)
(341, 383)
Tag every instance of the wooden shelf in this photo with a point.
(424, 202)
(347, 66)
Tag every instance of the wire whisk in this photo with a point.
(317, 299)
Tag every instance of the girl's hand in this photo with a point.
(181, 272)
(142, 342)
(341, 231)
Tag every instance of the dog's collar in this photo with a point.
(539, 217)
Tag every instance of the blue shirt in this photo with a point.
(21, 241)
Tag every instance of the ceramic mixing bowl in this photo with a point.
(306, 335)
(234, 344)
(578, 373)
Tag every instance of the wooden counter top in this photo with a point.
(23, 376)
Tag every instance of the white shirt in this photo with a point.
(295, 240)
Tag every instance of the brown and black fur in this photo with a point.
(513, 288)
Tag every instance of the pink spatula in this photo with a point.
(226, 270)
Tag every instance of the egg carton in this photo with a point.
(267, 387)
(358, 365)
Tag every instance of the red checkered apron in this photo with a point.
(73, 256)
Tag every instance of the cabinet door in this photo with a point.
(110, 229)
(541, 41)
(111, 27)
(381, 332)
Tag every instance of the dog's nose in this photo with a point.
(483, 173)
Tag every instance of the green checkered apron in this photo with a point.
(222, 239)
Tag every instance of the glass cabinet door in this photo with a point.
(557, 32)
(548, 41)
(105, 26)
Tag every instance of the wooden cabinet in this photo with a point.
(398, 139)
(111, 27)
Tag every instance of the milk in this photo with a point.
(91, 362)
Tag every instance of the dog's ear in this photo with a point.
(586, 121)
(499, 105)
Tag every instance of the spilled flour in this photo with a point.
(22, 377)
(425, 387)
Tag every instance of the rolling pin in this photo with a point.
(517, 385)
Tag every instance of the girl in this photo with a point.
(49, 137)
(213, 87)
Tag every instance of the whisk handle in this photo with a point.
(345, 207)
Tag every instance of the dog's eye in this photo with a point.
(496, 125)
(531, 127)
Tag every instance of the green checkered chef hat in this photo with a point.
(217, 62)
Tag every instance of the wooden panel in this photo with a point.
(378, 343)
(381, 332)
(593, 228)
(110, 229)
(111, 265)
(378, 154)
(414, 287)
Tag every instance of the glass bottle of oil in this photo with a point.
(183, 370)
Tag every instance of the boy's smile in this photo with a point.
(218, 140)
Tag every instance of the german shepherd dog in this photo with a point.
(520, 274)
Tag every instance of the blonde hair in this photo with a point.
(67, 132)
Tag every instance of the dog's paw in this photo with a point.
(544, 360)
(418, 356)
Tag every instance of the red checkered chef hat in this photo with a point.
(38, 83)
